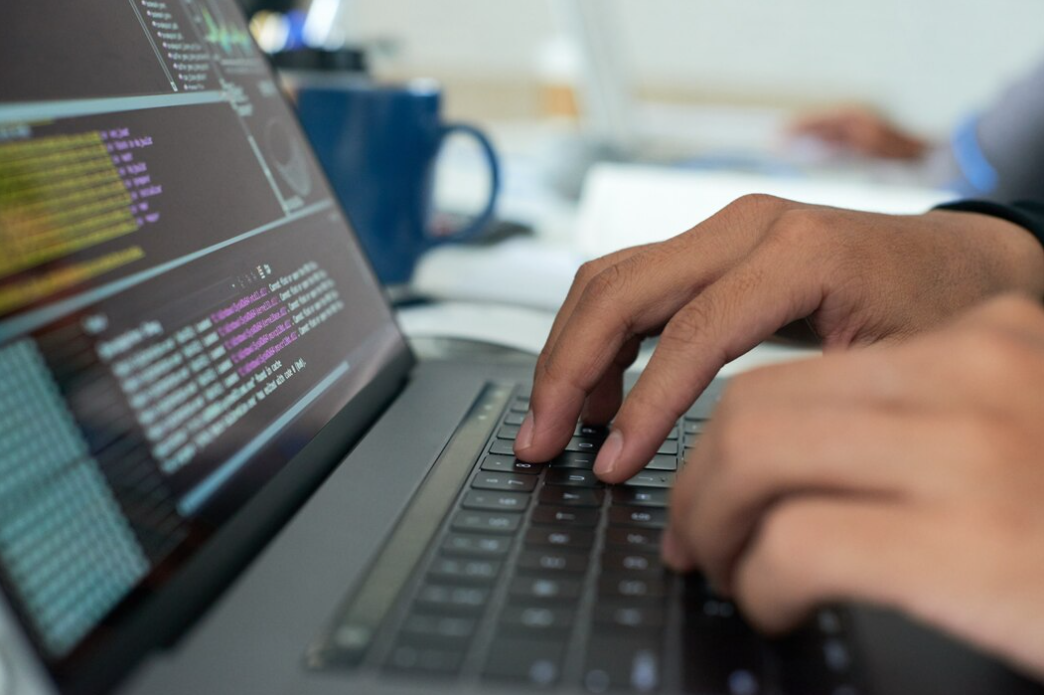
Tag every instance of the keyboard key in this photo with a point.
(572, 478)
(641, 517)
(538, 619)
(661, 462)
(669, 447)
(646, 540)
(614, 586)
(572, 497)
(438, 629)
(673, 434)
(537, 662)
(631, 562)
(565, 516)
(640, 497)
(563, 538)
(481, 521)
(636, 617)
(553, 561)
(574, 460)
(546, 588)
(464, 570)
(621, 662)
(507, 432)
(503, 447)
(416, 659)
(729, 663)
(495, 501)
(651, 479)
(514, 418)
(520, 405)
(504, 481)
(475, 544)
(509, 464)
(693, 426)
(583, 444)
(438, 598)
(591, 431)
(691, 440)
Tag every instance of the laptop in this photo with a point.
(222, 470)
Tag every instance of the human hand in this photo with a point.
(720, 288)
(911, 477)
(860, 130)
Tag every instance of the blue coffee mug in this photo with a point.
(379, 144)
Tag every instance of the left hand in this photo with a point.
(910, 476)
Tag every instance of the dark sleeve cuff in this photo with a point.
(1025, 213)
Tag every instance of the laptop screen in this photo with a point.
(182, 304)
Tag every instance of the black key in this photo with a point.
(437, 629)
(574, 460)
(514, 418)
(542, 619)
(504, 481)
(553, 561)
(631, 562)
(571, 496)
(483, 521)
(613, 586)
(591, 431)
(503, 447)
(438, 598)
(693, 426)
(565, 516)
(572, 477)
(546, 588)
(495, 501)
(583, 444)
(641, 517)
(661, 462)
(464, 570)
(562, 538)
(730, 663)
(510, 464)
(651, 479)
(537, 662)
(637, 617)
(416, 659)
(640, 497)
(507, 432)
(647, 540)
(621, 662)
(669, 447)
(476, 544)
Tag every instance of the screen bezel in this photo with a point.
(117, 647)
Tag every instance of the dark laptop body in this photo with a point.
(216, 448)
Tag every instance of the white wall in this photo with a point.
(924, 61)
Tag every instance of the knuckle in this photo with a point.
(686, 327)
(992, 353)
(609, 282)
(800, 226)
(587, 271)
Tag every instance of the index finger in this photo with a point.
(724, 321)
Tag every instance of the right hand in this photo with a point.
(860, 130)
(719, 289)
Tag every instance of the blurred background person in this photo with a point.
(997, 153)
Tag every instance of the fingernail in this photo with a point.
(606, 461)
(671, 551)
(525, 433)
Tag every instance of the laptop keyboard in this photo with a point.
(542, 575)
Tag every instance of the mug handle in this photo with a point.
(480, 222)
